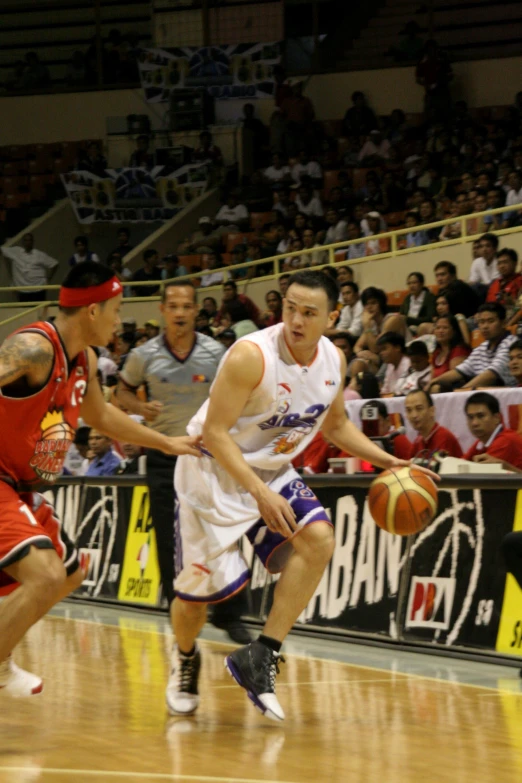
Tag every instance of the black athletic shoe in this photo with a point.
(235, 629)
(255, 667)
(182, 689)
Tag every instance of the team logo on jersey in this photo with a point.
(51, 450)
(287, 443)
(329, 383)
(300, 425)
(200, 379)
(283, 388)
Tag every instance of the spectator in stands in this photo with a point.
(230, 294)
(123, 273)
(236, 317)
(207, 151)
(36, 74)
(274, 309)
(141, 158)
(484, 269)
(376, 320)
(92, 160)
(258, 131)
(213, 266)
(460, 208)
(277, 171)
(299, 115)
(350, 319)
(76, 74)
(431, 436)
(460, 297)
(515, 361)
(372, 226)
(487, 365)
(451, 348)
(105, 462)
(419, 376)
(345, 342)
(342, 274)
(513, 198)
(507, 287)
(152, 328)
(283, 284)
(427, 215)
(282, 89)
(203, 240)
(419, 305)
(359, 120)
(227, 338)
(392, 351)
(29, 266)
(124, 245)
(307, 170)
(150, 271)
(211, 308)
(495, 443)
(125, 342)
(357, 250)
(232, 216)
(130, 464)
(375, 150)
(82, 252)
(172, 267)
(307, 203)
(238, 256)
(495, 200)
(434, 73)
(337, 228)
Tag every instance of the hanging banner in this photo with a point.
(233, 71)
(134, 195)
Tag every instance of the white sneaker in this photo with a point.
(16, 681)
(182, 689)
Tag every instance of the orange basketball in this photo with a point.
(403, 501)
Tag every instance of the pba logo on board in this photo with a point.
(430, 602)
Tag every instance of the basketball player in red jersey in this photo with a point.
(47, 380)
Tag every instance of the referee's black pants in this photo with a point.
(160, 480)
(512, 550)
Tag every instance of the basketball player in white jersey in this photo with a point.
(274, 390)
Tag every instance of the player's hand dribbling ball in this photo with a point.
(403, 501)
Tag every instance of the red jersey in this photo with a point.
(37, 430)
(506, 445)
(439, 439)
(502, 290)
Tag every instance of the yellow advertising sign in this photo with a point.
(140, 577)
(509, 637)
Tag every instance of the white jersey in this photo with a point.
(285, 411)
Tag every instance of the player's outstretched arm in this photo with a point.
(28, 355)
(112, 422)
(239, 376)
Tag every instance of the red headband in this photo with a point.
(83, 297)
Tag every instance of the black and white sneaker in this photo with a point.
(182, 689)
(255, 667)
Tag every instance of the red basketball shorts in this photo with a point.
(28, 520)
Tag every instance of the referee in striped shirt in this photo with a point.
(177, 369)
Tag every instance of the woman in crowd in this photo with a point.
(419, 305)
(442, 309)
(274, 309)
(450, 349)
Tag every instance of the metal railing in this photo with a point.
(329, 251)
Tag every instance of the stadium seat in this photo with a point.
(238, 239)
(259, 219)
(476, 338)
(394, 219)
(396, 298)
(190, 261)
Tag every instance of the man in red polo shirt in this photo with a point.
(495, 443)
(507, 286)
(420, 412)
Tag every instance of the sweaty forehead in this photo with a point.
(306, 297)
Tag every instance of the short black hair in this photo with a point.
(125, 231)
(419, 275)
(452, 269)
(179, 284)
(483, 398)
(491, 238)
(417, 348)
(379, 404)
(510, 253)
(309, 279)
(203, 313)
(367, 384)
(149, 253)
(81, 437)
(230, 284)
(493, 307)
(211, 299)
(286, 276)
(344, 336)
(82, 238)
(236, 310)
(352, 285)
(392, 338)
(516, 346)
(427, 396)
(84, 275)
(378, 294)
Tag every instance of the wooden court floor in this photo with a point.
(101, 718)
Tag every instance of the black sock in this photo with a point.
(188, 654)
(272, 644)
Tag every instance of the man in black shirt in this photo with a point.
(461, 297)
(149, 271)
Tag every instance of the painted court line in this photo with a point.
(320, 682)
(148, 775)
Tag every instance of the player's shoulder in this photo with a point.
(32, 344)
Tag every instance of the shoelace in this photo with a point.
(185, 674)
(274, 668)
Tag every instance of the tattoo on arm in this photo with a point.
(24, 354)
